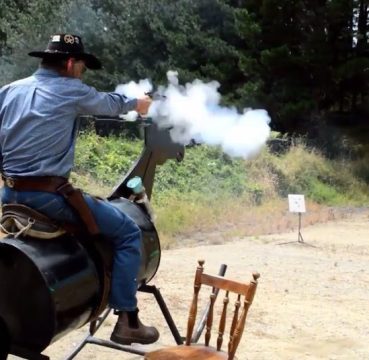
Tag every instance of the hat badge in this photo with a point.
(69, 39)
(64, 46)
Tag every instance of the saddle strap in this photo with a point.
(6, 226)
(18, 219)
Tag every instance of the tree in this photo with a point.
(198, 39)
(27, 25)
(296, 58)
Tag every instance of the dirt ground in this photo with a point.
(312, 302)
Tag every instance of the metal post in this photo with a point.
(300, 238)
(152, 289)
(94, 326)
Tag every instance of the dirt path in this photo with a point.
(312, 302)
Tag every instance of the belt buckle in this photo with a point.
(9, 182)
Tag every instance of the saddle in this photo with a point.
(20, 220)
(57, 185)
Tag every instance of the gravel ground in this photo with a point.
(312, 300)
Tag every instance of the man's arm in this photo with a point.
(93, 102)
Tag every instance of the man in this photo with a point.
(37, 140)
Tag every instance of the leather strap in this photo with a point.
(20, 211)
(34, 183)
(60, 185)
(75, 199)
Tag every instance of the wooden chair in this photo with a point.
(245, 294)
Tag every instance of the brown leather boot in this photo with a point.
(129, 329)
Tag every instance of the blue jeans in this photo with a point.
(114, 225)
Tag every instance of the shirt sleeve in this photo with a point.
(2, 95)
(93, 102)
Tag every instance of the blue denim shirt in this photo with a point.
(38, 121)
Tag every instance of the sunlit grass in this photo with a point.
(210, 192)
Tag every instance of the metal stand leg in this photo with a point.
(91, 339)
(300, 239)
(95, 325)
(152, 289)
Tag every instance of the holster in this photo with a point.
(75, 199)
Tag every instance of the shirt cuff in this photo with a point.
(130, 105)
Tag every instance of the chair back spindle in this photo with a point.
(209, 320)
(193, 308)
(243, 293)
(237, 306)
(242, 290)
(222, 322)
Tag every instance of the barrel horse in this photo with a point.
(49, 287)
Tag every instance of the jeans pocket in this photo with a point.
(58, 209)
(42, 201)
(49, 204)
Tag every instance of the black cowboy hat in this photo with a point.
(67, 45)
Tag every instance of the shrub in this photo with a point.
(209, 189)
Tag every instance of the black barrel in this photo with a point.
(50, 287)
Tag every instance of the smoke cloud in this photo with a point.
(193, 112)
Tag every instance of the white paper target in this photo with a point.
(296, 203)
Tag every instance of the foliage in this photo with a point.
(208, 188)
(209, 174)
(105, 158)
(306, 171)
(297, 59)
(205, 170)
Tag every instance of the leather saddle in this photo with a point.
(21, 220)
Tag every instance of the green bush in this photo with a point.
(105, 158)
(306, 171)
(205, 170)
(212, 174)
(209, 188)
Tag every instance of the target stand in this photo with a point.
(297, 205)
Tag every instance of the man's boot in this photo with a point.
(129, 329)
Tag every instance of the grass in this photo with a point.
(211, 193)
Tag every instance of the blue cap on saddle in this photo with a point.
(135, 184)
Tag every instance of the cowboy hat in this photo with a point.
(67, 45)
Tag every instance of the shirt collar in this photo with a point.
(46, 72)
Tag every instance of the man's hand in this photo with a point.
(143, 105)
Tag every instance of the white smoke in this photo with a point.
(194, 113)
(133, 90)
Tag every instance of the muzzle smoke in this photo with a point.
(193, 112)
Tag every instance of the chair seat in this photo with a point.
(183, 352)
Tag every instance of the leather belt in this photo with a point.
(34, 183)
(59, 185)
